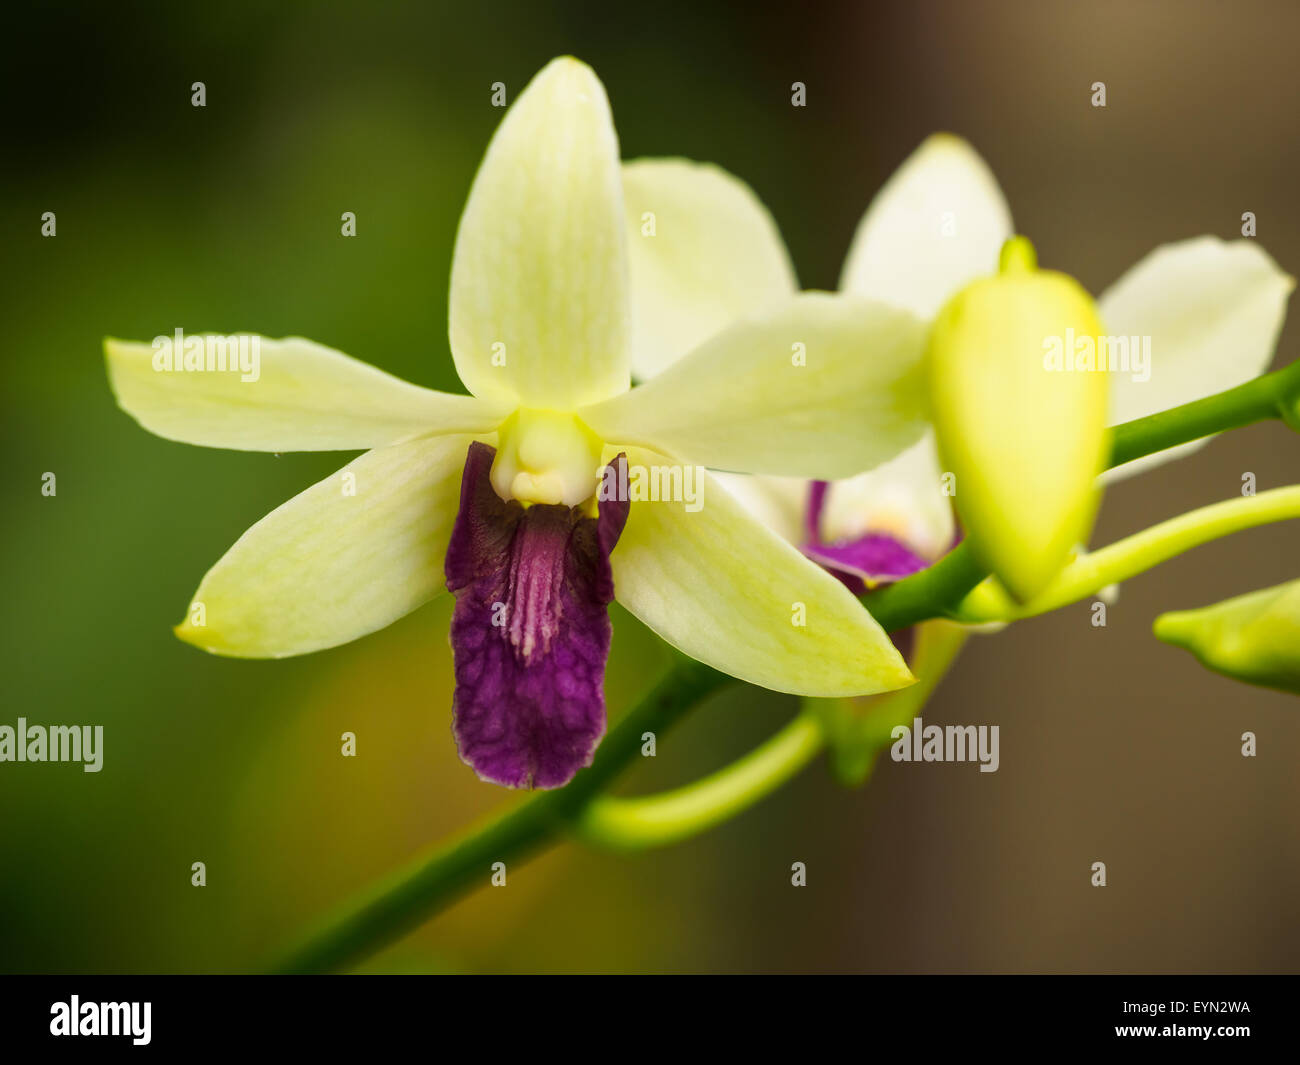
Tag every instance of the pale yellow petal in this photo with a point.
(704, 252)
(935, 225)
(539, 303)
(1190, 319)
(780, 503)
(350, 555)
(906, 498)
(720, 586)
(285, 395)
(824, 387)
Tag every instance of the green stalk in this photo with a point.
(631, 824)
(669, 817)
(922, 595)
(1135, 554)
(405, 900)
(1275, 395)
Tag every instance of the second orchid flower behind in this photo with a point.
(1209, 310)
(494, 495)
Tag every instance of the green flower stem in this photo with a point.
(924, 595)
(408, 898)
(630, 824)
(1119, 561)
(1275, 395)
(669, 817)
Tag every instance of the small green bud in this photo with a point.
(1020, 412)
(1253, 638)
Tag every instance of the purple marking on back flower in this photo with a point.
(530, 632)
(812, 518)
(875, 557)
(870, 559)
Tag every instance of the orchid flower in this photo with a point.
(1211, 308)
(500, 496)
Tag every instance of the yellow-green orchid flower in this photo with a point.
(502, 495)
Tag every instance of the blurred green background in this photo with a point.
(226, 218)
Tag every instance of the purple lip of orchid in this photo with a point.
(530, 632)
(870, 559)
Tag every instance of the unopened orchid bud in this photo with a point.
(1019, 403)
(1253, 638)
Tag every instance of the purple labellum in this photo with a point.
(874, 558)
(871, 559)
(530, 632)
(862, 563)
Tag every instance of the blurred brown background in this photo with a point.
(1114, 747)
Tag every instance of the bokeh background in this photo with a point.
(1114, 747)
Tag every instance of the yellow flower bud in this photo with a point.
(1253, 638)
(1019, 406)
